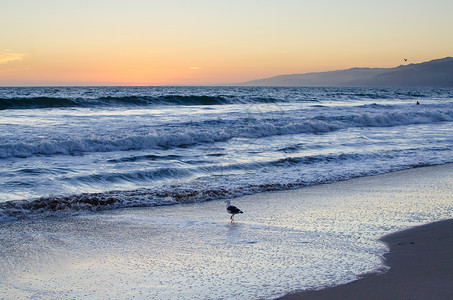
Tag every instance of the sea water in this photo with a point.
(96, 148)
(72, 157)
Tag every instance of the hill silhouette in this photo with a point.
(434, 73)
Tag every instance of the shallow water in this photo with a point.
(300, 239)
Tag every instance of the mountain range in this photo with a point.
(434, 73)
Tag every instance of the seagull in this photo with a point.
(232, 210)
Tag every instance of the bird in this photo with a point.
(233, 210)
(405, 59)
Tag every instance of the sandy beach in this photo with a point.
(421, 267)
(304, 239)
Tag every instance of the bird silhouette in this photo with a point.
(232, 210)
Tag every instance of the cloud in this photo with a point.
(8, 56)
(194, 68)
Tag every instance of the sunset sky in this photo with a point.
(178, 42)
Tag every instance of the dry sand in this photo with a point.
(421, 267)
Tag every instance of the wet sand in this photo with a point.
(421, 267)
(318, 236)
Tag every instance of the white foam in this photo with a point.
(104, 139)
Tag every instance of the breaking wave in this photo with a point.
(196, 133)
(201, 192)
(108, 101)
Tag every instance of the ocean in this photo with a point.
(76, 149)
(126, 184)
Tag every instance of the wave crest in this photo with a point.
(108, 101)
(189, 134)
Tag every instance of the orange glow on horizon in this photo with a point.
(209, 42)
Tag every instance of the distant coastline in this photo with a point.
(436, 73)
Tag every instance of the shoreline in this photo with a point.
(308, 238)
(421, 267)
(96, 200)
